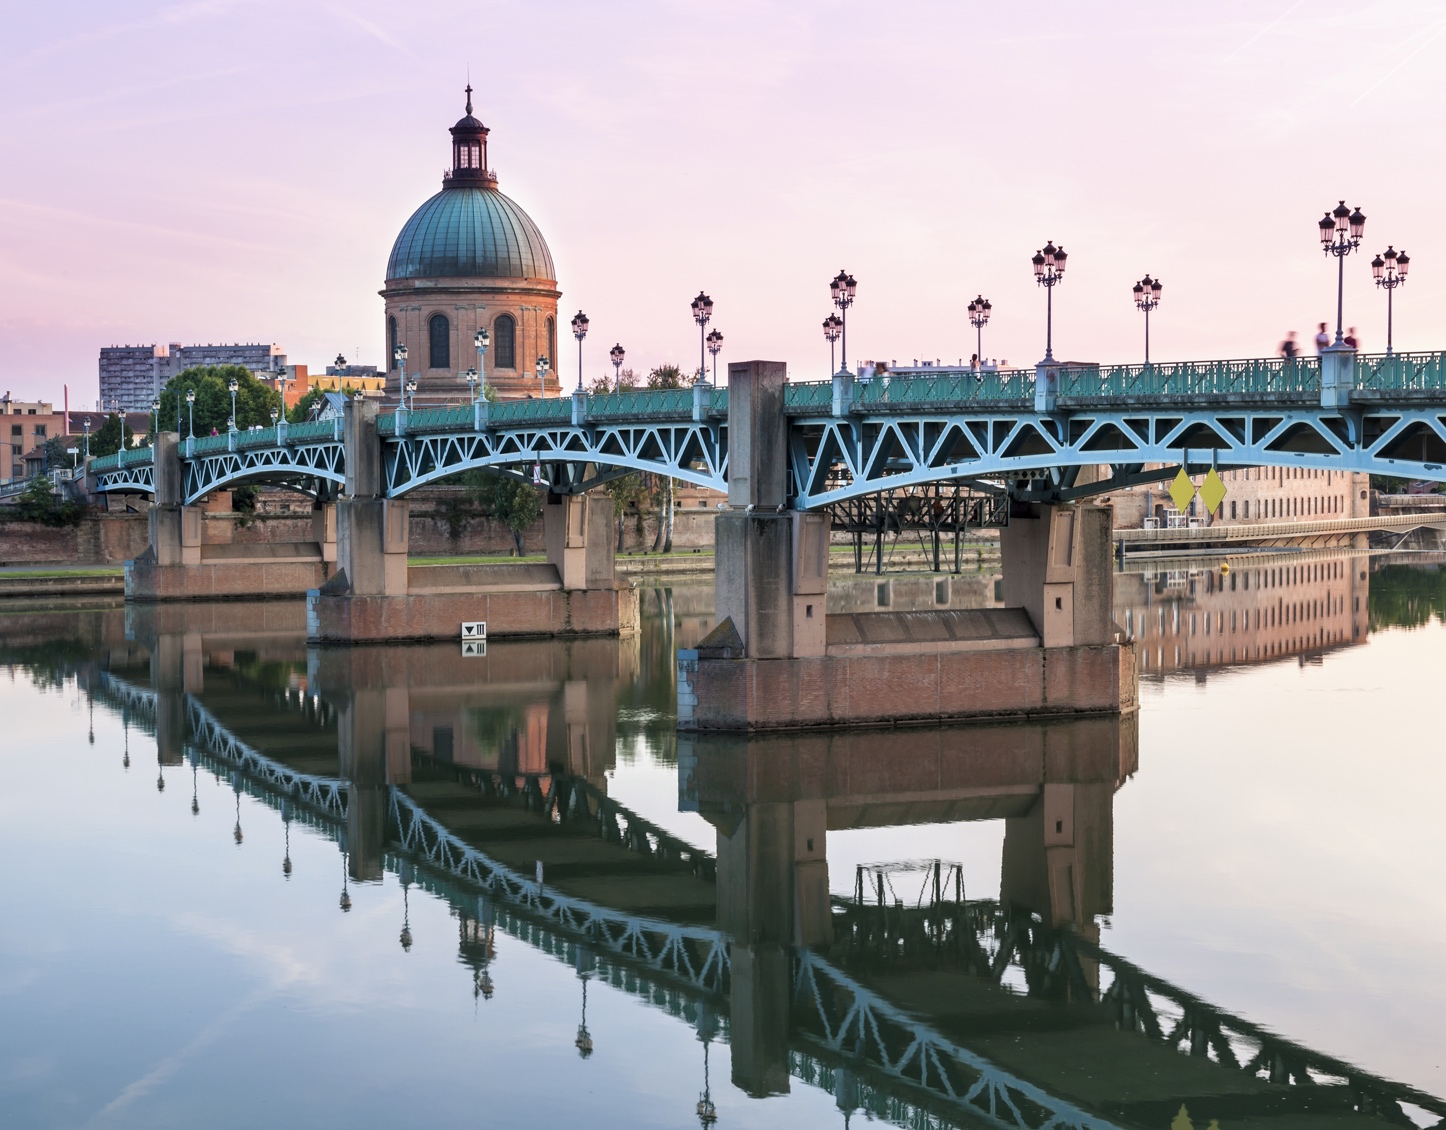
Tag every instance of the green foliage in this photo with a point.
(302, 411)
(511, 501)
(40, 504)
(666, 376)
(1404, 596)
(254, 401)
(114, 434)
(626, 378)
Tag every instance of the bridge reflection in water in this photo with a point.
(484, 781)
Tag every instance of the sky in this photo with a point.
(236, 170)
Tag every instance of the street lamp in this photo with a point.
(1049, 273)
(481, 339)
(1147, 297)
(1390, 269)
(702, 310)
(411, 390)
(842, 288)
(86, 425)
(832, 328)
(617, 353)
(156, 413)
(543, 364)
(472, 381)
(979, 311)
(399, 355)
(579, 331)
(190, 412)
(715, 345)
(1340, 234)
(233, 386)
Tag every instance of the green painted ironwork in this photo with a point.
(313, 430)
(210, 445)
(1401, 371)
(1272, 375)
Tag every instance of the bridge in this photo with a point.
(923, 1013)
(783, 451)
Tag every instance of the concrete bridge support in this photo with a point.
(375, 596)
(778, 660)
(179, 564)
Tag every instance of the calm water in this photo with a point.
(251, 885)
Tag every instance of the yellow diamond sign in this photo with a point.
(1182, 490)
(1212, 491)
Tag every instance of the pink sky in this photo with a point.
(219, 170)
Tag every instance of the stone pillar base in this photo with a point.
(337, 616)
(233, 578)
(901, 689)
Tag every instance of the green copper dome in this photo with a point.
(470, 233)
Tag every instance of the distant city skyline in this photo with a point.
(237, 172)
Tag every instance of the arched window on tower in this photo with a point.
(504, 342)
(391, 343)
(439, 341)
(552, 342)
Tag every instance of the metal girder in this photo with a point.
(312, 468)
(695, 452)
(835, 458)
(139, 478)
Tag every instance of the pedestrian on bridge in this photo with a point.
(1351, 339)
(1322, 339)
(1290, 348)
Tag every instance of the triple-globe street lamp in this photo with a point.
(1147, 297)
(481, 339)
(543, 364)
(579, 331)
(1340, 234)
(842, 288)
(231, 385)
(1049, 273)
(616, 355)
(190, 412)
(1389, 269)
(715, 345)
(399, 355)
(832, 328)
(702, 308)
(979, 311)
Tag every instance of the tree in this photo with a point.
(665, 376)
(254, 401)
(301, 412)
(511, 501)
(114, 434)
(40, 504)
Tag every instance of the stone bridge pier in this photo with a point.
(180, 564)
(376, 597)
(779, 660)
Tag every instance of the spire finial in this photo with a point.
(469, 96)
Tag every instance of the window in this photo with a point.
(504, 342)
(17, 430)
(39, 431)
(439, 341)
(552, 342)
(392, 343)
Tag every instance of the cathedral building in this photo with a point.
(470, 259)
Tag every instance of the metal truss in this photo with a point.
(316, 468)
(138, 478)
(931, 511)
(696, 956)
(836, 458)
(692, 451)
(852, 1024)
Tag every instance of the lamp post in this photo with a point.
(979, 311)
(1049, 273)
(1147, 297)
(399, 355)
(1340, 234)
(616, 354)
(702, 310)
(86, 426)
(1390, 269)
(579, 331)
(481, 339)
(190, 413)
(715, 346)
(832, 328)
(542, 367)
(232, 386)
(472, 381)
(411, 391)
(842, 288)
(156, 417)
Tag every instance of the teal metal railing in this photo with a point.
(313, 430)
(1274, 375)
(1401, 371)
(210, 445)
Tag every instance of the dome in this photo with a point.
(470, 233)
